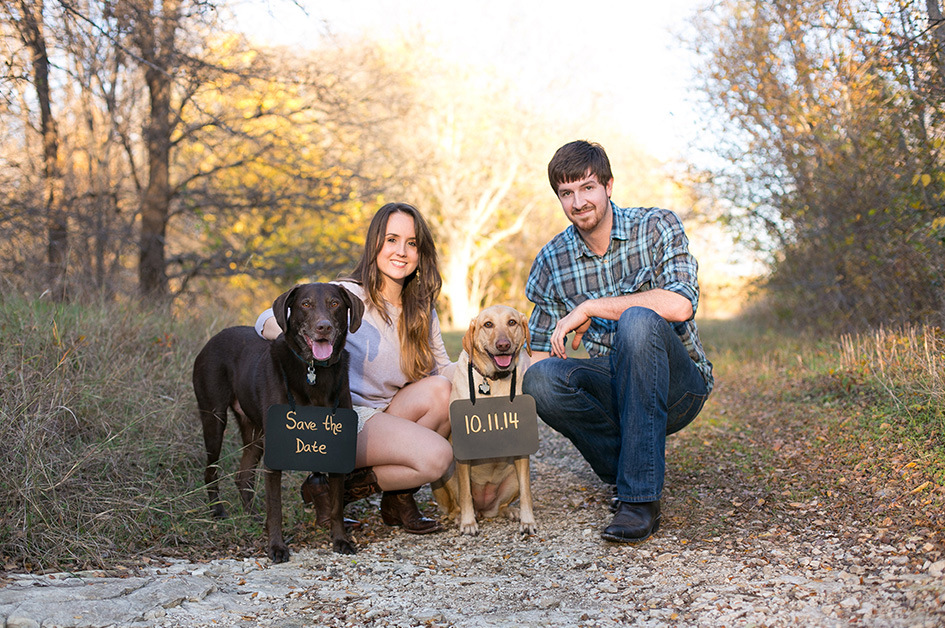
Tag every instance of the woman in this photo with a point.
(399, 386)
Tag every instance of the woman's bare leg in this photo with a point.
(406, 445)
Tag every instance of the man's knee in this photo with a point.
(637, 326)
(536, 381)
(639, 318)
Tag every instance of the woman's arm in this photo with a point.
(266, 325)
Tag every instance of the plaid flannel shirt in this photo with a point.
(648, 249)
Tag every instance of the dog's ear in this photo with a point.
(528, 336)
(355, 309)
(470, 338)
(280, 307)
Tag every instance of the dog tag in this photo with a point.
(310, 375)
(310, 438)
(494, 427)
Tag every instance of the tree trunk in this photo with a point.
(30, 26)
(937, 28)
(152, 275)
(156, 35)
(463, 306)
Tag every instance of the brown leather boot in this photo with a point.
(315, 494)
(359, 484)
(398, 508)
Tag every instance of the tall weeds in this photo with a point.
(100, 452)
(908, 365)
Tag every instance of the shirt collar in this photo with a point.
(618, 231)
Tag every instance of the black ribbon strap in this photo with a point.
(288, 394)
(288, 390)
(472, 387)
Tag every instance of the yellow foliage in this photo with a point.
(924, 179)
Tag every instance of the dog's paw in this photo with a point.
(279, 553)
(528, 528)
(343, 546)
(469, 528)
(511, 512)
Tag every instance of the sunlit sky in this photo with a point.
(619, 59)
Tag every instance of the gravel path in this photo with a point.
(759, 570)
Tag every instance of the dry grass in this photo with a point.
(908, 364)
(101, 454)
(99, 447)
(805, 420)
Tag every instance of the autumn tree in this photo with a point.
(308, 155)
(253, 162)
(826, 142)
(484, 182)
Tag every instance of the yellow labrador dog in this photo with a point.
(498, 343)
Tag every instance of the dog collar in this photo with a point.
(484, 388)
(310, 375)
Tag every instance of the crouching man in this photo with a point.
(623, 281)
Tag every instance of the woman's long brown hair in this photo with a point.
(421, 289)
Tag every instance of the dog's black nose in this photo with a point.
(323, 326)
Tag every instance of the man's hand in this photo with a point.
(671, 306)
(576, 321)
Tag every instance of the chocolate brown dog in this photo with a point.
(238, 370)
(497, 343)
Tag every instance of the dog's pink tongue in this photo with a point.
(503, 360)
(321, 349)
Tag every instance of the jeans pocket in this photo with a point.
(684, 411)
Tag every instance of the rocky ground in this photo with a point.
(760, 568)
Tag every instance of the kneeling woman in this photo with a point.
(399, 379)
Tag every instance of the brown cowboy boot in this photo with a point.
(398, 508)
(359, 484)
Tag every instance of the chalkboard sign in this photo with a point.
(311, 438)
(494, 427)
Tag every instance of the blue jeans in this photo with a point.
(618, 409)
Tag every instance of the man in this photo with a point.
(624, 282)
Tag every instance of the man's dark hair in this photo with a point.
(573, 161)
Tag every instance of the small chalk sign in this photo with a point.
(311, 438)
(494, 427)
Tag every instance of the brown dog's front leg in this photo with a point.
(278, 551)
(339, 539)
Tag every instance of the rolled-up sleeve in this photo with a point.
(676, 268)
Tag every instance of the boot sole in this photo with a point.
(621, 539)
(397, 524)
